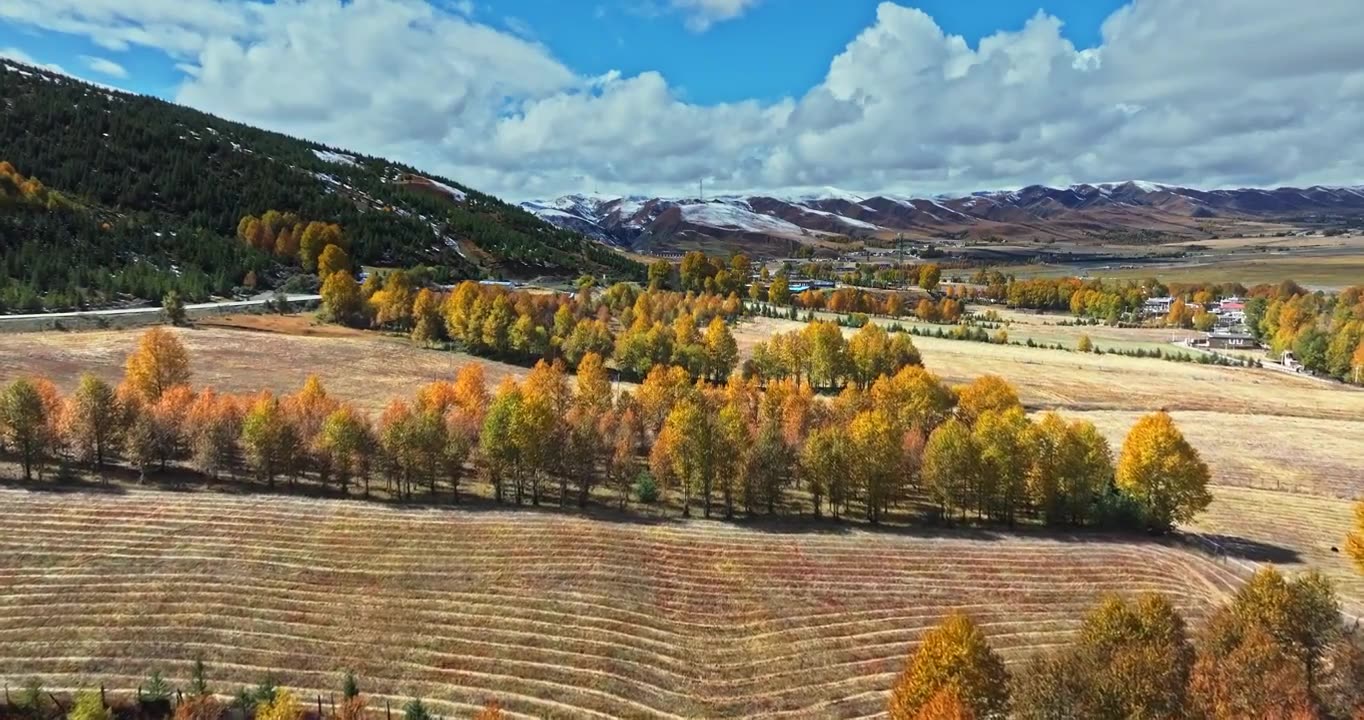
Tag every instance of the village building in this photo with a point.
(1232, 339)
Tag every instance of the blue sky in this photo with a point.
(783, 46)
(534, 98)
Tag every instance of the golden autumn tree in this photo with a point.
(914, 397)
(1302, 614)
(987, 392)
(499, 451)
(342, 301)
(214, 428)
(929, 277)
(471, 390)
(316, 237)
(875, 443)
(307, 410)
(284, 706)
(824, 459)
(1252, 677)
(951, 466)
(1001, 438)
(1354, 541)
(954, 655)
(427, 323)
(722, 353)
(25, 424)
(332, 261)
(1162, 472)
(94, 420)
(946, 704)
(1134, 658)
(345, 438)
(159, 363)
(267, 437)
(393, 304)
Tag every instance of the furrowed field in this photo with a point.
(628, 615)
(552, 615)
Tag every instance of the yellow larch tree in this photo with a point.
(1162, 472)
(159, 363)
(954, 655)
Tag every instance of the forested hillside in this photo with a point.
(156, 192)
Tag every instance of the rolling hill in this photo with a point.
(157, 190)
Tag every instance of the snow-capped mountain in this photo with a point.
(1075, 212)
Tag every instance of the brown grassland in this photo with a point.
(613, 616)
(1337, 267)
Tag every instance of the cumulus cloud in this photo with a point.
(1225, 92)
(105, 66)
(701, 14)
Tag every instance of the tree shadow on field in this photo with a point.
(62, 485)
(1239, 548)
(477, 504)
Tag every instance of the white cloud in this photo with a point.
(105, 66)
(1225, 92)
(701, 14)
(14, 53)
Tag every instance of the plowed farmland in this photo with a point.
(554, 615)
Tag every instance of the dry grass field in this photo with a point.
(244, 354)
(1060, 379)
(1337, 266)
(554, 615)
(563, 615)
(1292, 531)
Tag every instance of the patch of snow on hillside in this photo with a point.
(548, 212)
(827, 193)
(733, 217)
(334, 157)
(852, 222)
(944, 208)
(454, 193)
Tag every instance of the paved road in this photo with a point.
(145, 310)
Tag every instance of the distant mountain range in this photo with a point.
(1133, 212)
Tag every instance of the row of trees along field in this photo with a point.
(900, 440)
(637, 328)
(1324, 331)
(926, 275)
(1278, 650)
(659, 326)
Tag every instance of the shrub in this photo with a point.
(89, 706)
(415, 710)
(646, 490)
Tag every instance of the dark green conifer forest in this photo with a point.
(150, 195)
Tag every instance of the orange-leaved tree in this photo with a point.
(954, 655)
(1354, 541)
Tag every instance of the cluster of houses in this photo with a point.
(1229, 332)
